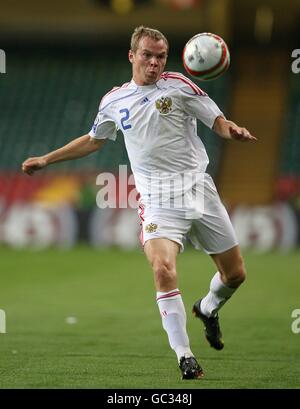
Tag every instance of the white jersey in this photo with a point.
(160, 129)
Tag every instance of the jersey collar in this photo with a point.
(143, 87)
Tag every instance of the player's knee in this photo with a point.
(164, 271)
(241, 275)
(237, 276)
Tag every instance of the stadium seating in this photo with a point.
(290, 156)
(249, 172)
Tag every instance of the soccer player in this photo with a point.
(157, 112)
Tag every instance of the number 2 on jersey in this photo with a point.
(125, 118)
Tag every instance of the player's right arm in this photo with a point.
(79, 147)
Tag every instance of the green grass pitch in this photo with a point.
(118, 341)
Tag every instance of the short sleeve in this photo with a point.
(104, 127)
(201, 106)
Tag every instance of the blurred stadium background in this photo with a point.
(61, 57)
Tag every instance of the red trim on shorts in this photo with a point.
(141, 213)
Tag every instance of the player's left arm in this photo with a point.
(229, 130)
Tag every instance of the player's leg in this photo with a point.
(162, 254)
(231, 266)
(230, 275)
(215, 234)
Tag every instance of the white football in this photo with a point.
(206, 56)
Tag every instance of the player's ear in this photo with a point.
(130, 56)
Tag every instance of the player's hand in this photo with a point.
(31, 165)
(241, 134)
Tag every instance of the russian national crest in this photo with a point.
(164, 105)
(151, 228)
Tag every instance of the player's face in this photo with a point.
(149, 60)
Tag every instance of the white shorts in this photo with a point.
(212, 231)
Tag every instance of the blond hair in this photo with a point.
(141, 31)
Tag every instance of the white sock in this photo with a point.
(173, 316)
(219, 293)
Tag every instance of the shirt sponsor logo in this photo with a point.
(164, 105)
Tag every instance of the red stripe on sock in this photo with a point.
(172, 294)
